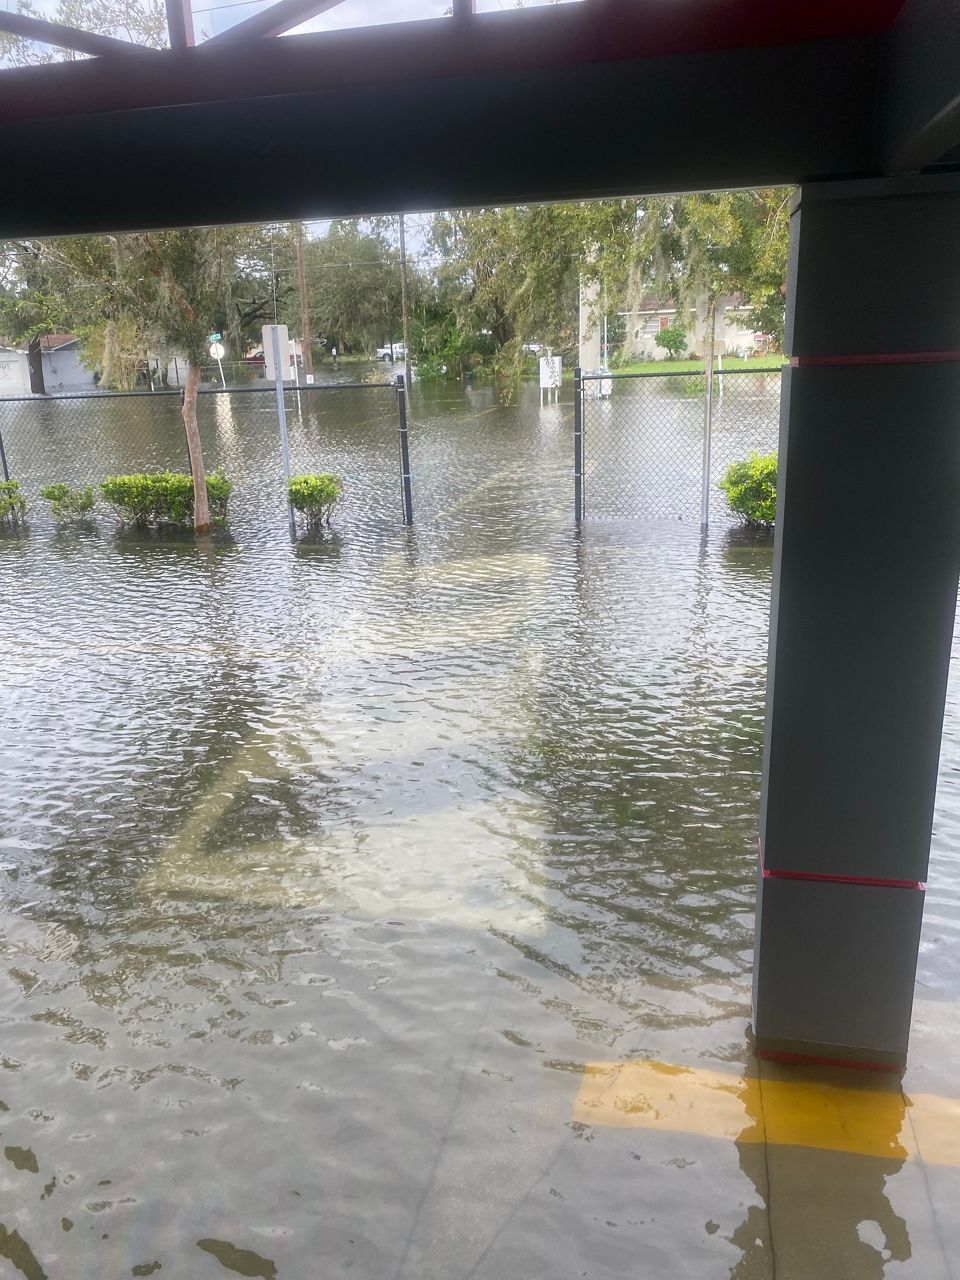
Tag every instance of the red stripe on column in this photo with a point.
(869, 882)
(815, 1060)
(876, 882)
(886, 357)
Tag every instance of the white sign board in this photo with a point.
(288, 371)
(551, 368)
(217, 351)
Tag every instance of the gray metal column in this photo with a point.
(864, 596)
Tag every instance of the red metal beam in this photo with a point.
(62, 37)
(274, 21)
(180, 24)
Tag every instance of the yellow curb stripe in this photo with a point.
(796, 1112)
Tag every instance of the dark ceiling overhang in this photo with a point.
(601, 98)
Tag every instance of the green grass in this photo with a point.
(696, 366)
(757, 364)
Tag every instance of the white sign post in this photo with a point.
(551, 371)
(276, 343)
(217, 353)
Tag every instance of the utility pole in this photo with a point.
(306, 343)
(404, 307)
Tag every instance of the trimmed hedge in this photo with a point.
(67, 503)
(163, 497)
(13, 505)
(315, 496)
(750, 488)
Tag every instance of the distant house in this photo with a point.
(62, 368)
(734, 333)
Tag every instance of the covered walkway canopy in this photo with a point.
(857, 102)
(555, 102)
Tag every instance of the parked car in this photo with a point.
(396, 352)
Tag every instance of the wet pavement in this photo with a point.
(382, 906)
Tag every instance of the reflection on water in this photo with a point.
(327, 867)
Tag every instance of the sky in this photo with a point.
(351, 13)
(214, 16)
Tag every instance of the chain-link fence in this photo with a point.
(349, 429)
(641, 439)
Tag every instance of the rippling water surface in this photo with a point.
(326, 867)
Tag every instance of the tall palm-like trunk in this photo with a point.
(201, 503)
(35, 366)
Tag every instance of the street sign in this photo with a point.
(283, 336)
(551, 372)
(217, 351)
(215, 337)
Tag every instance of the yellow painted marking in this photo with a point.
(361, 872)
(478, 490)
(478, 571)
(879, 1122)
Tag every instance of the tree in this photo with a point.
(509, 274)
(263, 282)
(697, 248)
(190, 272)
(673, 339)
(138, 21)
(353, 285)
(170, 289)
(29, 304)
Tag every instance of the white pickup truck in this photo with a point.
(396, 352)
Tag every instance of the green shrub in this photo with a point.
(315, 496)
(13, 505)
(673, 339)
(163, 497)
(750, 488)
(67, 503)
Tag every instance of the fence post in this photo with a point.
(707, 433)
(278, 369)
(406, 490)
(3, 460)
(577, 444)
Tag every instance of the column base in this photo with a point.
(808, 1053)
(834, 975)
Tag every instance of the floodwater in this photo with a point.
(335, 875)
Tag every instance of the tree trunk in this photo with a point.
(404, 306)
(201, 504)
(710, 335)
(108, 374)
(35, 365)
(306, 337)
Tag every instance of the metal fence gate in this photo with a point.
(358, 430)
(654, 446)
